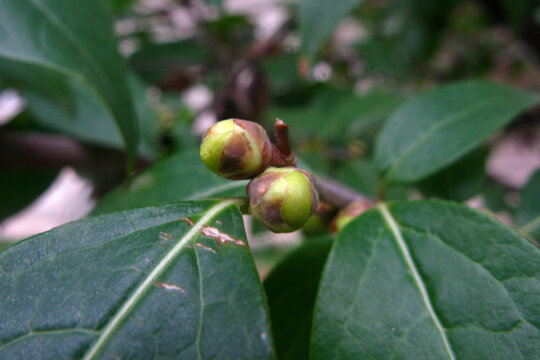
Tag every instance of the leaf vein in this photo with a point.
(139, 292)
(402, 245)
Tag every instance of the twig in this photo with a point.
(338, 194)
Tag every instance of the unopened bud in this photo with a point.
(347, 214)
(282, 198)
(236, 149)
(320, 220)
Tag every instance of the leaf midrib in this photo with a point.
(139, 292)
(404, 249)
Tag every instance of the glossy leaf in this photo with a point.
(291, 289)
(141, 284)
(47, 45)
(319, 18)
(435, 129)
(528, 212)
(428, 280)
(181, 176)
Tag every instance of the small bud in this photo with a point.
(282, 198)
(236, 149)
(347, 214)
(319, 222)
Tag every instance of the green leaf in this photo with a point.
(318, 19)
(181, 176)
(89, 121)
(141, 284)
(461, 180)
(67, 41)
(291, 289)
(528, 212)
(20, 187)
(428, 280)
(383, 56)
(435, 129)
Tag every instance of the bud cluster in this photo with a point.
(282, 198)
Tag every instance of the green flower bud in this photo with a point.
(348, 214)
(236, 149)
(283, 199)
(319, 222)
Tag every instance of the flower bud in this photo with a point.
(283, 199)
(236, 149)
(348, 214)
(319, 222)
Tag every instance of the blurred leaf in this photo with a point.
(86, 120)
(428, 280)
(517, 12)
(71, 41)
(147, 117)
(155, 62)
(182, 176)
(360, 175)
(319, 18)
(495, 196)
(291, 289)
(383, 56)
(281, 71)
(313, 160)
(141, 284)
(337, 115)
(528, 212)
(459, 181)
(435, 129)
(91, 122)
(232, 31)
(20, 187)
(119, 5)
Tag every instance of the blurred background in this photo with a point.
(334, 81)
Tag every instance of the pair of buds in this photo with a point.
(282, 198)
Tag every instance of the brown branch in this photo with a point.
(338, 194)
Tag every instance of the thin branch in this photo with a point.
(337, 194)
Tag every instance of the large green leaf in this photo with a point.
(435, 129)
(428, 280)
(46, 44)
(318, 19)
(291, 288)
(141, 284)
(182, 176)
(459, 181)
(528, 212)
